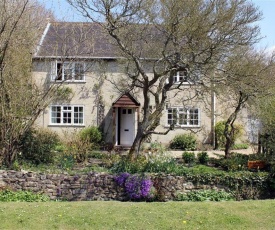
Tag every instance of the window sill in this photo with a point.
(66, 125)
(68, 82)
(183, 83)
(183, 126)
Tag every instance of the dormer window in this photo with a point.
(68, 71)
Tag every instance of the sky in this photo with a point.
(64, 11)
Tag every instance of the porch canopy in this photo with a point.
(126, 100)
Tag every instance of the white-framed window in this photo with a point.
(183, 117)
(67, 115)
(68, 71)
(180, 77)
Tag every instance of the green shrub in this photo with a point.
(38, 146)
(203, 158)
(92, 134)
(157, 147)
(240, 146)
(219, 134)
(67, 161)
(236, 162)
(205, 195)
(77, 149)
(185, 142)
(162, 163)
(126, 165)
(202, 169)
(188, 157)
(97, 154)
(24, 196)
(110, 159)
(60, 148)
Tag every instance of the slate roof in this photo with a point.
(89, 40)
(73, 39)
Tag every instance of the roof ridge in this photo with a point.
(66, 22)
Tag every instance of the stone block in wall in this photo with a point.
(188, 186)
(75, 185)
(50, 186)
(43, 177)
(2, 184)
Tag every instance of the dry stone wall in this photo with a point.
(91, 186)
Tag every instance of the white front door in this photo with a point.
(127, 124)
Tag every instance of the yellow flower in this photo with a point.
(184, 222)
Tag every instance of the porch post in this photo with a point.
(114, 126)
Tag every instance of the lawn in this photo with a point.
(140, 215)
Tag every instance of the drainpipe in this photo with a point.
(213, 113)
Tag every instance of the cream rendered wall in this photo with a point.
(98, 85)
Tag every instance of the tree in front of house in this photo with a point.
(21, 100)
(168, 43)
(264, 118)
(246, 78)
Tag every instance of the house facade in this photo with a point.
(81, 58)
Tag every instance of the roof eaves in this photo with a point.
(86, 57)
(74, 57)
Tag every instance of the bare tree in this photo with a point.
(21, 100)
(245, 79)
(159, 38)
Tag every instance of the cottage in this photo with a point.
(81, 57)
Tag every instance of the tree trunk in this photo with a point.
(228, 144)
(135, 148)
(230, 133)
(9, 152)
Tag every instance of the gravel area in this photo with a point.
(216, 153)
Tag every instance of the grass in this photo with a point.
(127, 215)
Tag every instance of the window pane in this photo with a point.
(171, 116)
(67, 117)
(78, 115)
(67, 108)
(59, 68)
(56, 115)
(68, 71)
(183, 76)
(79, 71)
(183, 119)
(193, 117)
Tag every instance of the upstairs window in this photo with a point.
(67, 115)
(68, 71)
(188, 117)
(180, 77)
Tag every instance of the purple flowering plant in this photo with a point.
(137, 187)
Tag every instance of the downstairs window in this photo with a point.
(184, 117)
(67, 115)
